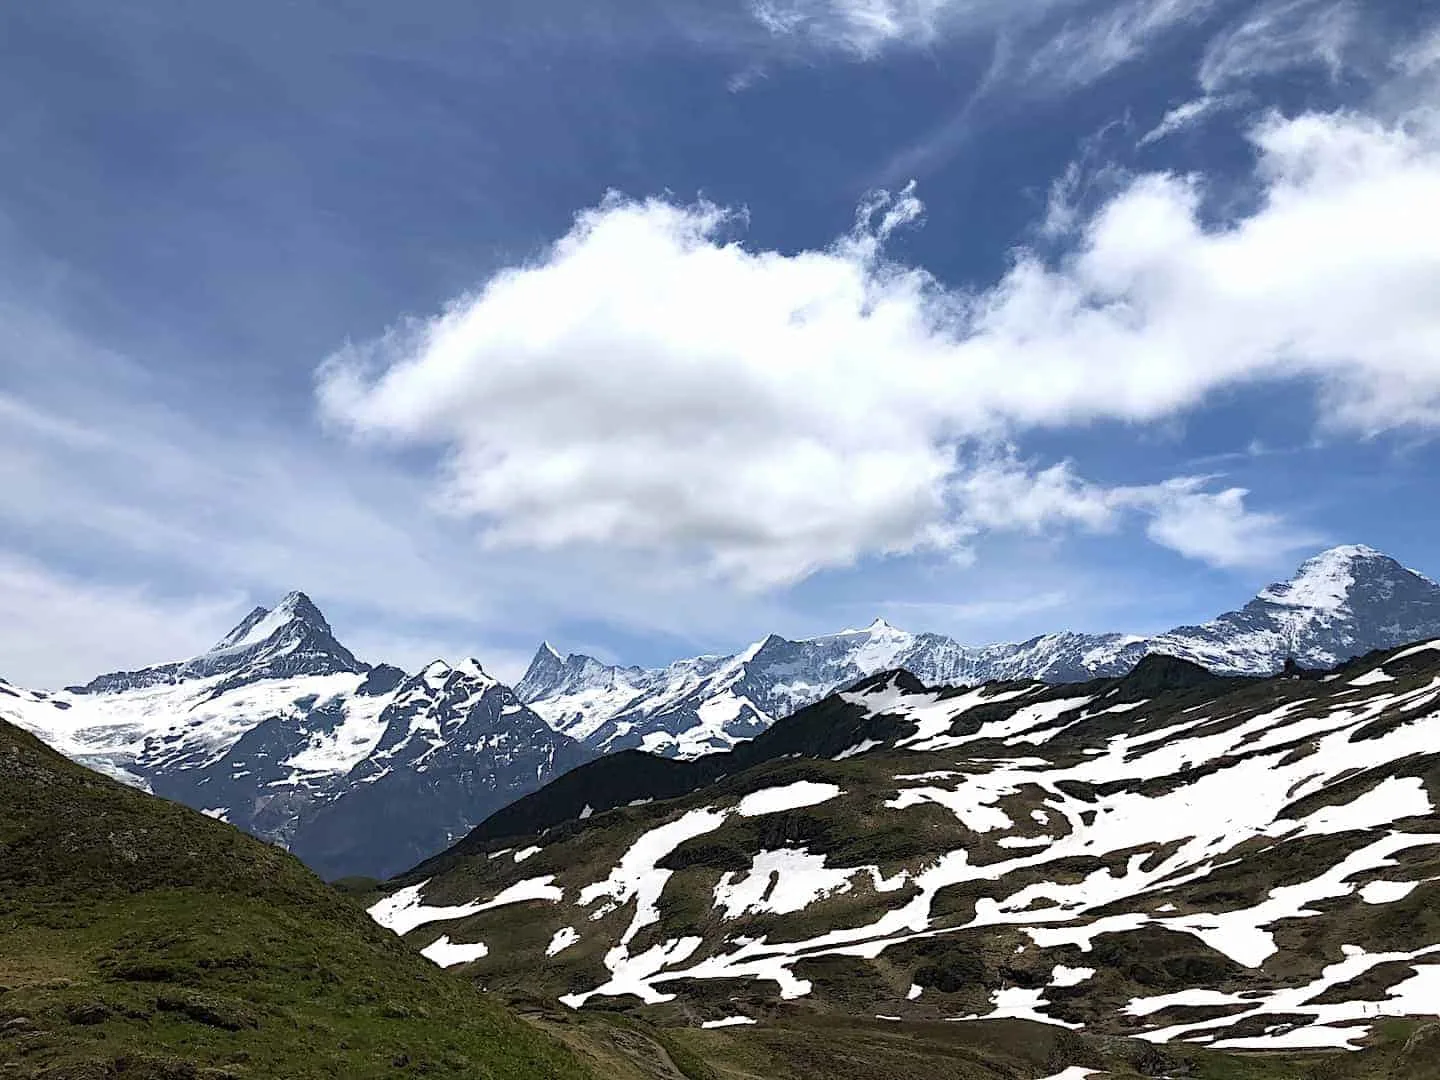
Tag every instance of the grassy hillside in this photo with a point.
(139, 938)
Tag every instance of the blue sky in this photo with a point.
(650, 328)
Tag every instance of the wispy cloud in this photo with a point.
(1190, 114)
(1097, 41)
(864, 28)
(1278, 36)
(60, 630)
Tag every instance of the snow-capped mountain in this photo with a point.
(279, 729)
(1341, 603)
(1174, 856)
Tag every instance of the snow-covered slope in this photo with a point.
(279, 722)
(1341, 603)
(1173, 855)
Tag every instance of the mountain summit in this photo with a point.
(279, 729)
(291, 639)
(1341, 603)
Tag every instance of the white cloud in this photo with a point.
(1097, 41)
(1186, 115)
(1216, 527)
(58, 630)
(865, 27)
(1422, 55)
(653, 384)
(1279, 36)
(1180, 513)
(1041, 45)
(110, 478)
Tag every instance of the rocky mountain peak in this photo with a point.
(545, 673)
(292, 638)
(1325, 581)
(294, 610)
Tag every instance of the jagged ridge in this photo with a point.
(1341, 603)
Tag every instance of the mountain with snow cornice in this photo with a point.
(279, 729)
(1341, 603)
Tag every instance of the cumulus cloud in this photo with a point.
(652, 383)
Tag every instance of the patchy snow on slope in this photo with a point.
(859, 748)
(1323, 582)
(1416, 650)
(1415, 996)
(1022, 720)
(1017, 1003)
(1194, 823)
(404, 909)
(446, 953)
(729, 1021)
(789, 880)
(1197, 998)
(637, 877)
(789, 797)
(1386, 892)
(562, 940)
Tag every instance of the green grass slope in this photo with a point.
(141, 939)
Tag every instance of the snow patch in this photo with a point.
(729, 1021)
(446, 953)
(789, 797)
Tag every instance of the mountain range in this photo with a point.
(1172, 856)
(280, 730)
(145, 941)
(365, 769)
(1341, 603)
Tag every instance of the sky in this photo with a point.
(650, 328)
